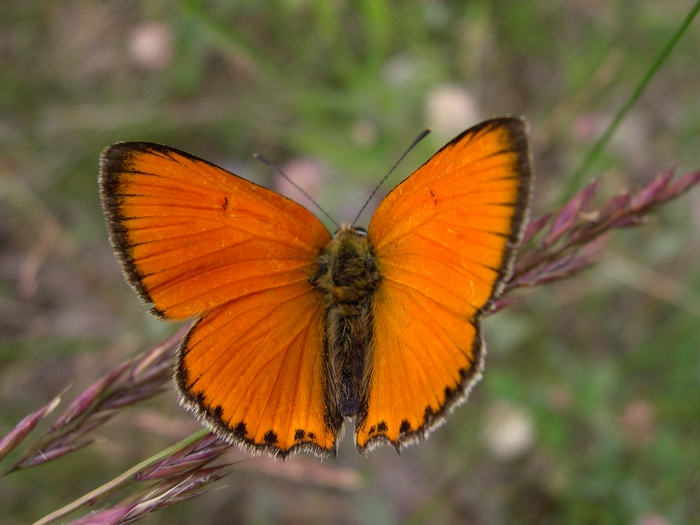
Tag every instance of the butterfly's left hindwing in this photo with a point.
(195, 240)
(254, 371)
(444, 241)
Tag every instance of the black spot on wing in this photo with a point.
(240, 430)
(428, 414)
(270, 437)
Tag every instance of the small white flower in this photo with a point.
(508, 431)
(450, 109)
(151, 45)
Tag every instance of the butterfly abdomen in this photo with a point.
(347, 276)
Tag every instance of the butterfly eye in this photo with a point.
(370, 264)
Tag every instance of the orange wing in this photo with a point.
(444, 241)
(195, 240)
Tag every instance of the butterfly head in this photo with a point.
(357, 230)
(347, 271)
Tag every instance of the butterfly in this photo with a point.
(298, 330)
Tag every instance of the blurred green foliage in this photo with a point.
(603, 370)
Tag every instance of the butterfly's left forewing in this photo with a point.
(195, 240)
(444, 241)
(192, 236)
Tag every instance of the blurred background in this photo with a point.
(589, 411)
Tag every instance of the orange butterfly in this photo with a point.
(296, 329)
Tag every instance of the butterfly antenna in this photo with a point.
(420, 137)
(281, 173)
